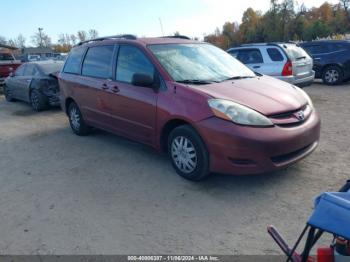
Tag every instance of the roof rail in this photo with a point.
(125, 36)
(177, 36)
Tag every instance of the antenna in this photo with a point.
(161, 26)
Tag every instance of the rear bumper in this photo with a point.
(300, 81)
(241, 150)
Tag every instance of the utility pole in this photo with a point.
(41, 36)
(161, 26)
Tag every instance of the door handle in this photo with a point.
(256, 66)
(115, 89)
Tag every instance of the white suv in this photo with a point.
(285, 61)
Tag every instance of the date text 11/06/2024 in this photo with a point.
(173, 258)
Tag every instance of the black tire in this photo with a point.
(76, 121)
(332, 75)
(8, 94)
(181, 155)
(38, 101)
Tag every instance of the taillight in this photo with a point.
(287, 69)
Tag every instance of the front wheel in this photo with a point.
(76, 120)
(188, 153)
(332, 75)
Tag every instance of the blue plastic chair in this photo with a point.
(332, 214)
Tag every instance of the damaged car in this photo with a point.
(35, 83)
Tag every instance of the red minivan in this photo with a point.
(190, 99)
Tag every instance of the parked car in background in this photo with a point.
(331, 60)
(210, 112)
(61, 57)
(8, 64)
(36, 83)
(33, 58)
(285, 61)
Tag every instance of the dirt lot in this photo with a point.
(101, 194)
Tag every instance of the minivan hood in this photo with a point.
(264, 94)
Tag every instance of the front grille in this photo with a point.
(288, 114)
(290, 118)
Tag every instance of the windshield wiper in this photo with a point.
(195, 82)
(237, 78)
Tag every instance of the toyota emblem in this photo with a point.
(300, 115)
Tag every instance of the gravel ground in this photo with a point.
(101, 194)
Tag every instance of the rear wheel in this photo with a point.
(38, 100)
(188, 153)
(332, 75)
(76, 120)
(8, 94)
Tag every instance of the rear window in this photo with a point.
(20, 70)
(74, 60)
(5, 56)
(294, 52)
(51, 68)
(98, 62)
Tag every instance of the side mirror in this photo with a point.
(142, 80)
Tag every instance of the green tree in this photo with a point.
(249, 26)
(316, 30)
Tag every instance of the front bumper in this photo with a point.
(240, 150)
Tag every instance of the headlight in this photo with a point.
(237, 113)
(306, 96)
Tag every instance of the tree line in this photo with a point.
(41, 39)
(285, 21)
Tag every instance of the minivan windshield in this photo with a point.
(199, 63)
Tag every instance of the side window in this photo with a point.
(20, 70)
(130, 61)
(98, 62)
(318, 49)
(336, 47)
(234, 53)
(250, 56)
(29, 70)
(275, 55)
(73, 62)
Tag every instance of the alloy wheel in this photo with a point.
(184, 154)
(75, 118)
(34, 98)
(332, 76)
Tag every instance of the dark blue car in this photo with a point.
(331, 60)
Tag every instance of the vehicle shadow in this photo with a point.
(232, 183)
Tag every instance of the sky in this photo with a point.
(193, 18)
